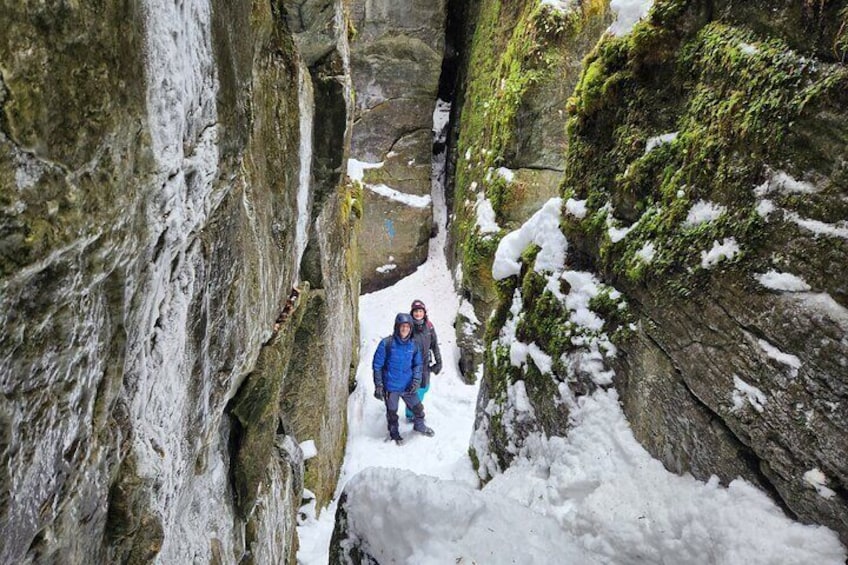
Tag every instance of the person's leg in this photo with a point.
(417, 408)
(422, 390)
(392, 399)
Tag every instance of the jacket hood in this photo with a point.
(403, 318)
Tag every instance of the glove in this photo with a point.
(436, 367)
(414, 386)
(379, 393)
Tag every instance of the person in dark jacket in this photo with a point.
(397, 374)
(424, 335)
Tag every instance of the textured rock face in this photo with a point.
(708, 148)
(153, 214)
(522, 64)
(315, 392)
(396, 60)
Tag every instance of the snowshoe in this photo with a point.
(398, 439)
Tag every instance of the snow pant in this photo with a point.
(412, 403)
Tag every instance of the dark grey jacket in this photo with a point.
(425, 336)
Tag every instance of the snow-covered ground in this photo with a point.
(449, 404)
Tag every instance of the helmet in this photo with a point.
(417, 304)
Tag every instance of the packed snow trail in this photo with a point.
(449, 405)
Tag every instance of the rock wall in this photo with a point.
(314, 402)
(521, 63)
(396, 60)
(156, 190)
(705, 181)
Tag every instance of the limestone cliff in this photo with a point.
(157, 197)
(522, 63)
(396, 60)
(705, 184)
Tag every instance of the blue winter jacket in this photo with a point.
(402, 366)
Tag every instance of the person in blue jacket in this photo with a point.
(397, 374)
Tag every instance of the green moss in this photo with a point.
(840, 44)
(475, 462)
(740, 99)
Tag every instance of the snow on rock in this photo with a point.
(765, 208)
(401, 517)
(576, 208)
(584, 287)
(466, 308)
(787, 282)
(616, 234)
(727, 249)
(356, 169)
(441, 117)
(308, 448)
(779, 181)
(398, 196)
(627, 14)
(703, 211)
(745, 393)
(647, 252)
(748, 49)
(543, 230)
(486, 221)
(818, 480)
(383, 269)
(786, 358)
(654, 142)
(507, 174)
(817, 227)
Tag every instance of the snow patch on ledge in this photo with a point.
(655, 142)
(780, 181)
(818, 480)
(745, 393)
(727, 249)
(398, 196)
(786, 282)
(785, 358)
(702, 212)
(356, 169)
(576, 208)
(486, 220)
(543, 230)
(627, 14)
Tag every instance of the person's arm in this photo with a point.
(417, 364)
(437, 354)
(378, 363)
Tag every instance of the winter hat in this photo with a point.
(416, 305)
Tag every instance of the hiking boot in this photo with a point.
(397, 438)
(425, 430)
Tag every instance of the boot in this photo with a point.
(419, 425)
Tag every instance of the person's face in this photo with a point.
(418, 313)
(404, 330)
